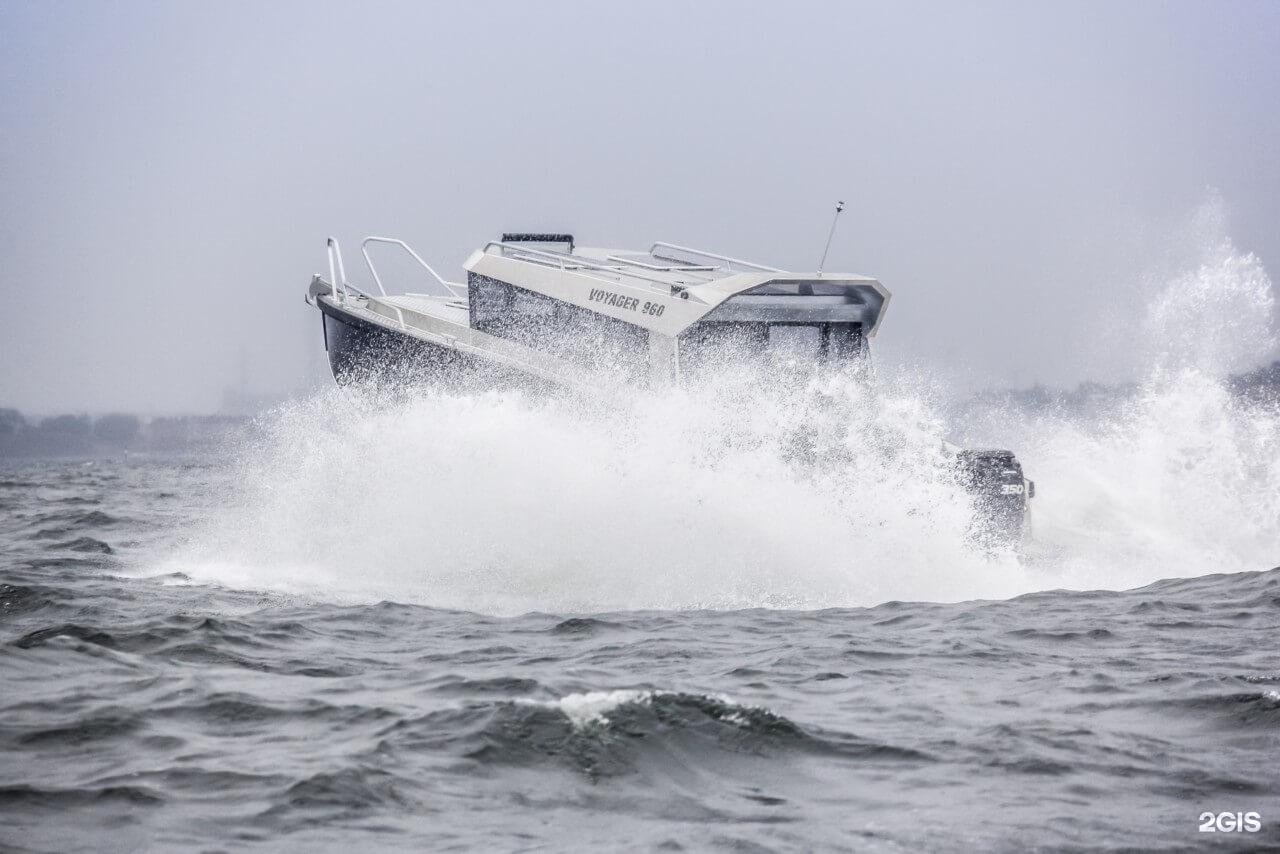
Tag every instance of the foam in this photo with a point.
(592, 707)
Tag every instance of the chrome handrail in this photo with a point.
(338, 280)
(453, 288)
(705, 254)
(338, 284)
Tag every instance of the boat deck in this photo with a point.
(451, 309)
(443, 321)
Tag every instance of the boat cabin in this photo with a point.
(668, 312)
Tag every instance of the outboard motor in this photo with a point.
(1002, 493)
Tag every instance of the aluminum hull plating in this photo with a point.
(360, 350)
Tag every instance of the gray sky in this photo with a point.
(169, 171)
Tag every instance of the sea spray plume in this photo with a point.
(1176, 476)
(773, 484)
(752, 493)
(1215, 316)
(1180, 480)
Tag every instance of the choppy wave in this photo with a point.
(195, 716)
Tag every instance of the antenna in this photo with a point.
(830, 234)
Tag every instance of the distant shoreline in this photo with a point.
(82, 435)
(85, 435)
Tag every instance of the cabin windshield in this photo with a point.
(795, 341)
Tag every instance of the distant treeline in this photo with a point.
(82, 434)
(1260, 386)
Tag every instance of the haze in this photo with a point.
(169, 172)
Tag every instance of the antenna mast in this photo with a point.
(830, 234)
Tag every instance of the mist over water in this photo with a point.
(767, 488)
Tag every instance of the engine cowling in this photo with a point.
(1001, 491)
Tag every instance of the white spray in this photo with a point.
(826, 490)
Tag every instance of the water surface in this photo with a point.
(147, 710)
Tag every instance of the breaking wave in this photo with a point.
(614, 733)
(822, 490)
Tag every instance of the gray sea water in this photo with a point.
(145, 707)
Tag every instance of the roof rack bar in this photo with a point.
(661, 268)
(653, 250)
(569, 262)
(560, 259)
(537, 237)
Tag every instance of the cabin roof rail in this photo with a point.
(654, 250)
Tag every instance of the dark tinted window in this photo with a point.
(559, 328)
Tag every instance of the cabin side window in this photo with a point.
(845, 341)
(559, 328)
(710, 345)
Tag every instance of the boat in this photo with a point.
(536, 308)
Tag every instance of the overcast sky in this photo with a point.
(169, 171)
